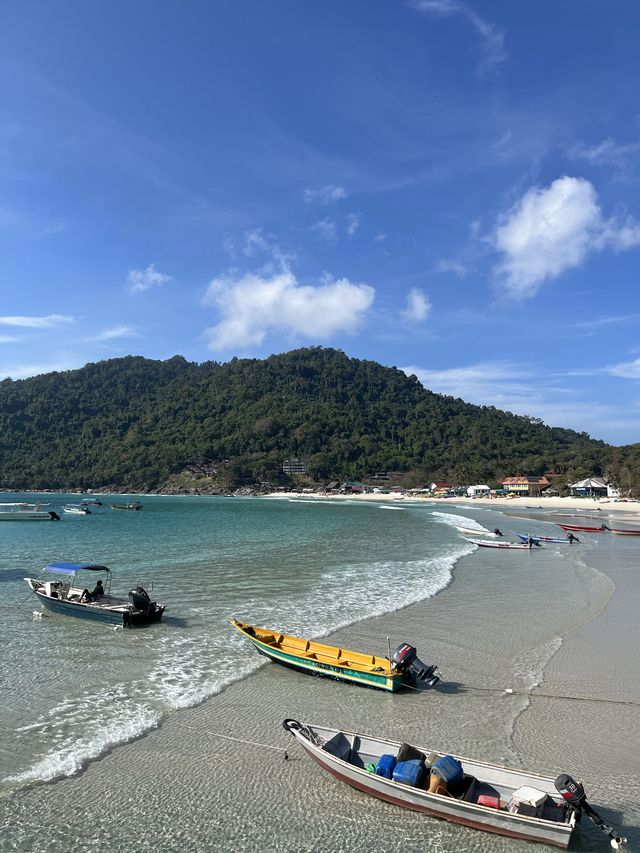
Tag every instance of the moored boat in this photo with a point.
(514, 546)
(62, 595)
(579, 528)
(403, 667)
(23, 512)
(490, 797)
(76, 509)
(557, 540)
(621, 531)
(131, 505)
(474, 531)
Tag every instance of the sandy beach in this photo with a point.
(558, 631)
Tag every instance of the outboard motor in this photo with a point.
(573, 794)
(139, 597)
(405, 659)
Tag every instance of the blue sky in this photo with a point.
(446, 187)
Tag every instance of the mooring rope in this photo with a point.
(236, 739)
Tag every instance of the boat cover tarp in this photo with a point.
(67, 568)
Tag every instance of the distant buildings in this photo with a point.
(531, 487)
(478, 491)
(594, 487)
(294, 466)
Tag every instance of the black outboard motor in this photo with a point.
(139, 597)
(573, 794)
(405, 659)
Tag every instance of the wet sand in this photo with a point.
(554, 622)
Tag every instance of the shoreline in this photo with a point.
(586, 505)
(224, 784)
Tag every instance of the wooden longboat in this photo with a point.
(579, 528)
(341, 664)
(352, 758)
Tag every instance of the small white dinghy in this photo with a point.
(514, 546)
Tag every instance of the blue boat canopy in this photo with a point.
(68, 568)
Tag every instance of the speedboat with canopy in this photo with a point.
(59, 591)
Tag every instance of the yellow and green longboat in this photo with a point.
(404, 668)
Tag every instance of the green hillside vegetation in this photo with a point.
(133, 423)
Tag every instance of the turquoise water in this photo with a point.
(73, 690)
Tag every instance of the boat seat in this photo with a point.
(297, 644)
(268, 639)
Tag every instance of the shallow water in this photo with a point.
(199, 779)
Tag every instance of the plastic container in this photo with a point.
(385, 766)
(448, 768)
(488, 800)
(410, 772)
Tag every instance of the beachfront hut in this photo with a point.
(594, 487)
(478, 491)
(530, 487)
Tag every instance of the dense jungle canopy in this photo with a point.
(134, 423)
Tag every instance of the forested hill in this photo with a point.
(132, 423)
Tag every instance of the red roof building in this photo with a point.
(532, 487)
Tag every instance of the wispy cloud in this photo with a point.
(113, 333)
(607, 153)
(9, 339)
(257, 242)
(418, 306)
(491, 38)
(626, 369)
(448, 265)
(254, 305)
(602, 322)
(37, 322)
(513, 387)
(24, 371)
(324, 195)
(553, 229)
(144, 279)
(353, 223)
(326, 229)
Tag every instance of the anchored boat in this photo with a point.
(502, 800)
(556, 540)
(578, 528)
(404, 667)
(514, 546)
(63, 595)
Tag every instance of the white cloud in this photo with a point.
(418, 306)
(24, 371)
(257, 242)
(113, 333)
(380, 238)
(455, 267)
(353, 223)
(553, 229)
(9, 339)
(606, 153)
(144, 279)
(36, 322)
(325, 195)
(492, 38)
(513, 387)
(254, 305)
(326, 228)
(626, 369)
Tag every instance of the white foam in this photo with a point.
(453, 520)
(70, 756)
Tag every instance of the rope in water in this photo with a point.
(509, 692)
(237, 739)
